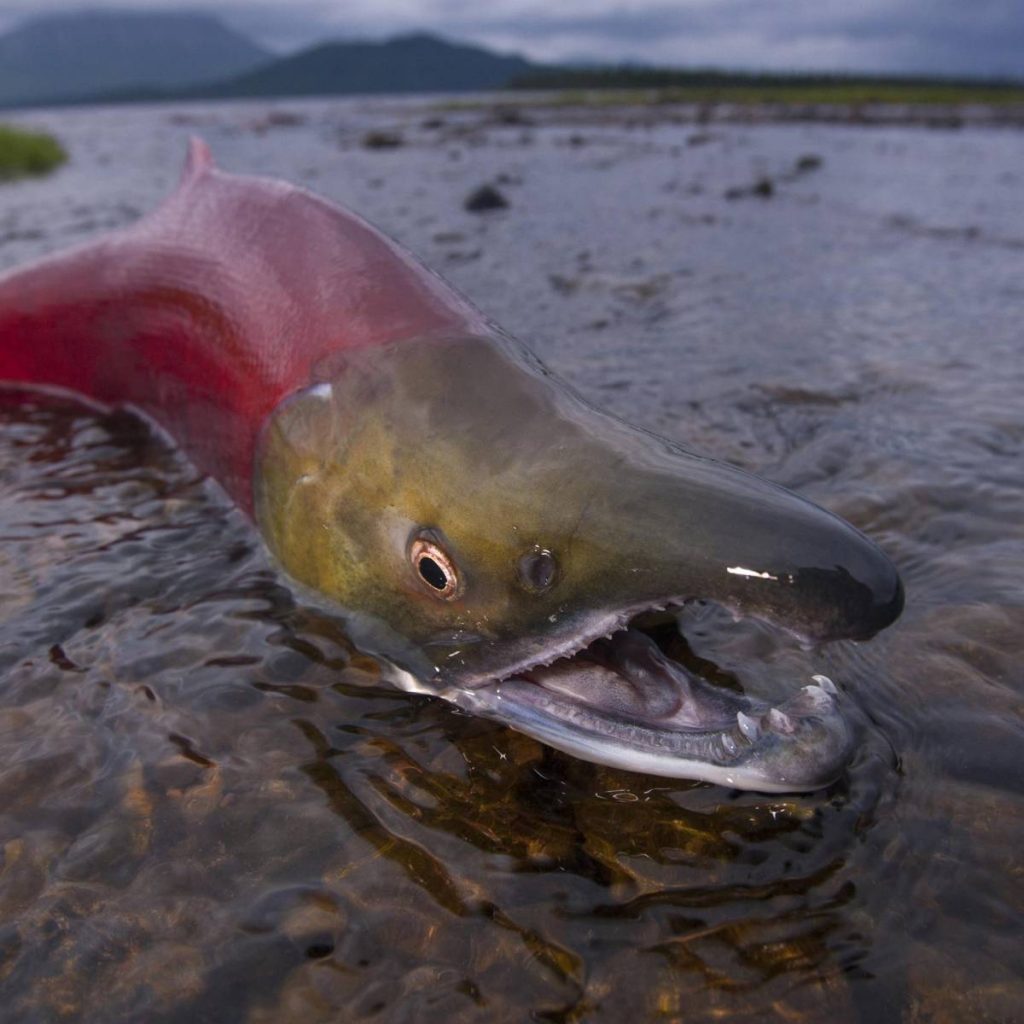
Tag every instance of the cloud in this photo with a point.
(950, 37)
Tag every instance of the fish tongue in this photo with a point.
(661, 688)
(629, 676)
(669, 694)
(625, 675)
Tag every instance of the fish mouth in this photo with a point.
(621, 698)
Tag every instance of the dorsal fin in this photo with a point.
(198, 160)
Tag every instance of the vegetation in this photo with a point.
(618, 85)
(26, 153)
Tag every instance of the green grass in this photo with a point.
(840, 94)
(27, 153)
(795, 95)
(613, 87)
(700, 85)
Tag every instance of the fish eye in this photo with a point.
(434, 567)
(537, 569)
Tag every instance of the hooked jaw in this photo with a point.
(623, 702)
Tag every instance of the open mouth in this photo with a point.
(627, 700)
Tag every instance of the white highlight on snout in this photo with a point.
(738, 570)
(323, 390)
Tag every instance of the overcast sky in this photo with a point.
(933, 36)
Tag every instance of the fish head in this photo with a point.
(510, 545)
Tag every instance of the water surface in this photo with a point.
(211, 810)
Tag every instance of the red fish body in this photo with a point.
(207, 312)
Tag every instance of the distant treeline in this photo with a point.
(740, 86)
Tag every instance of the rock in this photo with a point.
(510, 115)
(276, 119)
(382, 140)
(564, 285)
(764, 188)
(808, 162)
(485, 198)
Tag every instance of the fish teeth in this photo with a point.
(749, 726)
(827, 685)
(818, 697)
(779, 721)
(731, 746)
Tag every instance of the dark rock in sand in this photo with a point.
(564, 285)
(763, 188)
(511, 115)
(382, 140)
(485, 198)
(808, 162)
(276, 119)
(463, 255)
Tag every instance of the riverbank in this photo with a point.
(927, 107)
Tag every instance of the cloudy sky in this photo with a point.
(932, 36)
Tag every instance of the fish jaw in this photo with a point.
(625, 704)
(810, 752)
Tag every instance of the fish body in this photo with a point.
(205, 314)
(510, 547)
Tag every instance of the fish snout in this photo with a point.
(767, 552)
(851, 599)
(853, 607)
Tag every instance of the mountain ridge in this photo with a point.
(409, 63)
(54, 56)
(124, 55)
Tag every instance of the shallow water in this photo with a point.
(210, 810)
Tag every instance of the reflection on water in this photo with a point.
(209, 807)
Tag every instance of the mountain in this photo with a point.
(408, 63)
(64, 56)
